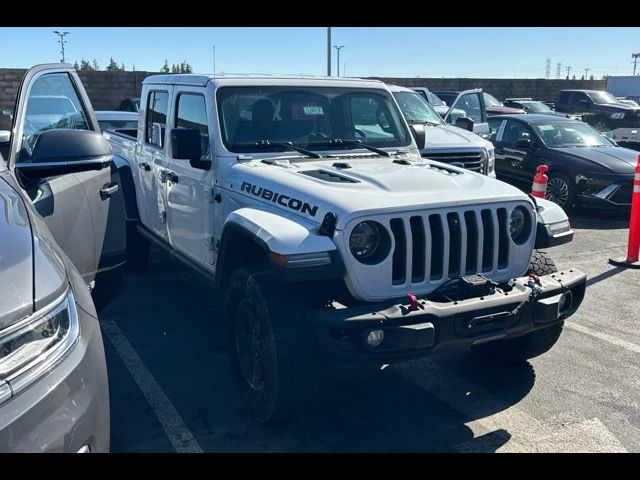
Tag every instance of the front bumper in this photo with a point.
(446, 326)
(68, 408)
(616, 194)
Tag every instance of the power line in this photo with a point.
(568, 71)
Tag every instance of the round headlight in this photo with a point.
(519, 225)
(364, 240)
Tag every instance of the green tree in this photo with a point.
(85, 65)
(165, 67)
(76, 66)
(185, 67)
(122, 67)
(95, 65)
(175, 68)
(112, 65)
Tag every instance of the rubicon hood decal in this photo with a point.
(279, 198)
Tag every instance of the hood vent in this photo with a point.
(328, 176)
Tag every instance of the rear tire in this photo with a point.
(521, 349)
(137, 248)
(275, 361)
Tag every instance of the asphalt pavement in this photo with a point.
(171, 389)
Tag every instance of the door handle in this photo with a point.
(108, 190)
(168, 175)
(145, 166)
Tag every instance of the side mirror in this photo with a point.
(186, 144)
(465, 123)
(62, 151)
(524, 144)
(419, 134)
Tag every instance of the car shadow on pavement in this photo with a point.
(174, 323)
(599, 219)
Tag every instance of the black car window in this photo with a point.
(470, 103)
(514, 131)
(156, 119)
(192, 113)
(494, 126)
(564, 97)
(577, 96)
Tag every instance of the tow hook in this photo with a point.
(413, 303)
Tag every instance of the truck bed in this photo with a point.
(123, 143)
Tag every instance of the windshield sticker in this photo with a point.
(313, 110)
(545, 127)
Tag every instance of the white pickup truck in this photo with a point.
(307, 202)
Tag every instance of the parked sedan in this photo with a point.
(585, 167)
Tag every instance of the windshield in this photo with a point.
(602, 98)
(416, 109)
(308, 117)
(536, 107)
(570, 134)
(491, 101)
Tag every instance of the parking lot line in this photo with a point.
(179, 435)
(604, 336)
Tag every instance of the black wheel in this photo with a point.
(520, 349)
(137, 248)
(272, 350)
(560, 190)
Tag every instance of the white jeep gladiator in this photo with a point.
(307, 202)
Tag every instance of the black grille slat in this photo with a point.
(455, 241)
(503, 245)
(472, 242)
(419, 249)
(471, 160)
(437, 246)
(487, 250)
(399, 273)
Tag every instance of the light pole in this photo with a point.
(338, 47)
(61, 41)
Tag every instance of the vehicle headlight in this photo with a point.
(31, 346)
(519, 225)
(369, 242)
(491, 161)
(617, 115)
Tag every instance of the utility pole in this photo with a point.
(635, 57)
(61, 41)
(568, 71)
(547, 69)
(586, 73)
(338, 48)
(328, 51)
(558, 70)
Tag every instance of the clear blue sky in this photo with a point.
(403, 52)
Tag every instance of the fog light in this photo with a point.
(374, 338)
(564, 305)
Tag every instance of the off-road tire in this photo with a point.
(521, 349)
(293, 369)
(137, 249)
(541, 263)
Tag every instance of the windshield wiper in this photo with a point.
(345, 142)
(423, 122)
(287, 145)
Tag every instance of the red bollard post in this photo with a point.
(539, 187)
(633, 247)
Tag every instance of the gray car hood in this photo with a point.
(32, 274)
(16, 257)
(611, 159)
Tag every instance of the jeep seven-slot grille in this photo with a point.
(433, 247)
(473, 161)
